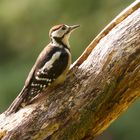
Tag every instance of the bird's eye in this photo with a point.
(64, 28)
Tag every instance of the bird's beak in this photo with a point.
(71, 28)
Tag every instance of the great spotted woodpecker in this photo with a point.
(50, 68)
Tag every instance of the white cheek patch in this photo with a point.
(57, 33)
(54, 33)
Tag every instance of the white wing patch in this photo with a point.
(48, 65)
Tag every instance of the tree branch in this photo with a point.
(100, 86)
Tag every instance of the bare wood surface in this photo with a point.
(124, 14)
(98, 89)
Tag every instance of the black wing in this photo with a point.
(41, 75)
(47, 72)
(51, 68)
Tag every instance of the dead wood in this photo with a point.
(101, 85)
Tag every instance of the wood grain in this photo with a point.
(98, 89)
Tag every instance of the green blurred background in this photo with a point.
(24, 26)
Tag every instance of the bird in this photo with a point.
(50, 69)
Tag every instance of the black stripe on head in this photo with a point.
(59, 41)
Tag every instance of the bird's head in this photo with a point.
(61, 32)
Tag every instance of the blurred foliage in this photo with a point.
(24, 27)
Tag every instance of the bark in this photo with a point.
(101, 85)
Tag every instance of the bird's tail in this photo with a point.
(18, 102)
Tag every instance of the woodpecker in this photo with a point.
(50, 68)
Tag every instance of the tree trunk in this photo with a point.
(101, 85)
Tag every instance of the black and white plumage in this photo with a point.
(50, 68)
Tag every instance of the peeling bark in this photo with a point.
(101, 85)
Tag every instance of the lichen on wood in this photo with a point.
(98, 89)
